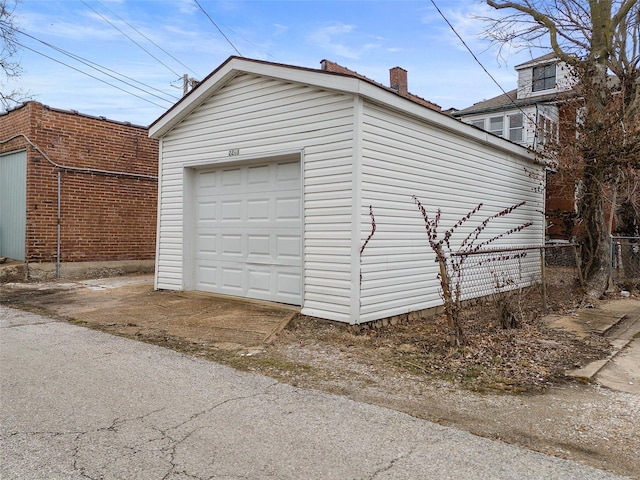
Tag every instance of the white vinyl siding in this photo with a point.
(358, 145)
(564, 80)
(254, 117)
(404, 157)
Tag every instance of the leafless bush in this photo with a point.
(452, 260)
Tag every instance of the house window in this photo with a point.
(478, 123)
(547, 130)
(515, 127)
(496, 126)
(544, 77)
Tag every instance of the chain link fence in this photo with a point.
(484, 273)
(625, 262)
(541, 277)
(547, 277)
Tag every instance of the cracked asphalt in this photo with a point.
(77, 403)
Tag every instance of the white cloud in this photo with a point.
(188, 7)
(280, 29)
(343, 40)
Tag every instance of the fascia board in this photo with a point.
(537, 61)
(187, 104)
(345, 84)
(309, 77)
(235, 67)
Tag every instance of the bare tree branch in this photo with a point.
(9, 67)
(597, 38)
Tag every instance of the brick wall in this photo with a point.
(103, 216)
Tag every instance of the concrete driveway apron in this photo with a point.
(77, 403)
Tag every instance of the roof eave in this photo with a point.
(339, 82)
(236, 65)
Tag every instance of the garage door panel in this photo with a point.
(248, 231)
(258, 209)
(288, 208)
(259, 281)
(287, 172)
(232, 245)
(288, 246)
(207, 277)
(258, 175)
(289, 284)
(206, 212)
(207, 182)
(231, 177)
(231, 210)
(258, 245)
(206, 245)
(231, 279)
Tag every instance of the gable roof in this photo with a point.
(548, 58)
(505, 101)
(329, 66)
(338, 81)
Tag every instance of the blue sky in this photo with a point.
(155, 42)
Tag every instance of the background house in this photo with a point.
(532, 115)
(529, 114)
(76, 189)
(269, 173)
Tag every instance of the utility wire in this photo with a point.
(132, 40)
(103, 69)
(534, 121)
(143, 35)
(92, 76)
(216, 25)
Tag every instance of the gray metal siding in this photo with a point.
(13, 204)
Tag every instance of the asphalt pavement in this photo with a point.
(77, 403)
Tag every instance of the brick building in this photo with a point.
(76, 188)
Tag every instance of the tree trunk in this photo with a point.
(596, 242)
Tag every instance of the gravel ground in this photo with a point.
(570, 420)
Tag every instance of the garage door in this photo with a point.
(13, 204)
(248, 226)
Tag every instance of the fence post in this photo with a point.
(543, 270)
(578, 254)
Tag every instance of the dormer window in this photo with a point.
(544, 77)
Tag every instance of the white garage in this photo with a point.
(248, 231)
(268, 174)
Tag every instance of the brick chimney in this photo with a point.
(398, 80)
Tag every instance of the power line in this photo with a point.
(103, 69)
(216, 25)
(132, 40)
(143, 35)
(92, 76)
(535, 122)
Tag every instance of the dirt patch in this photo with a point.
(507, 384)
